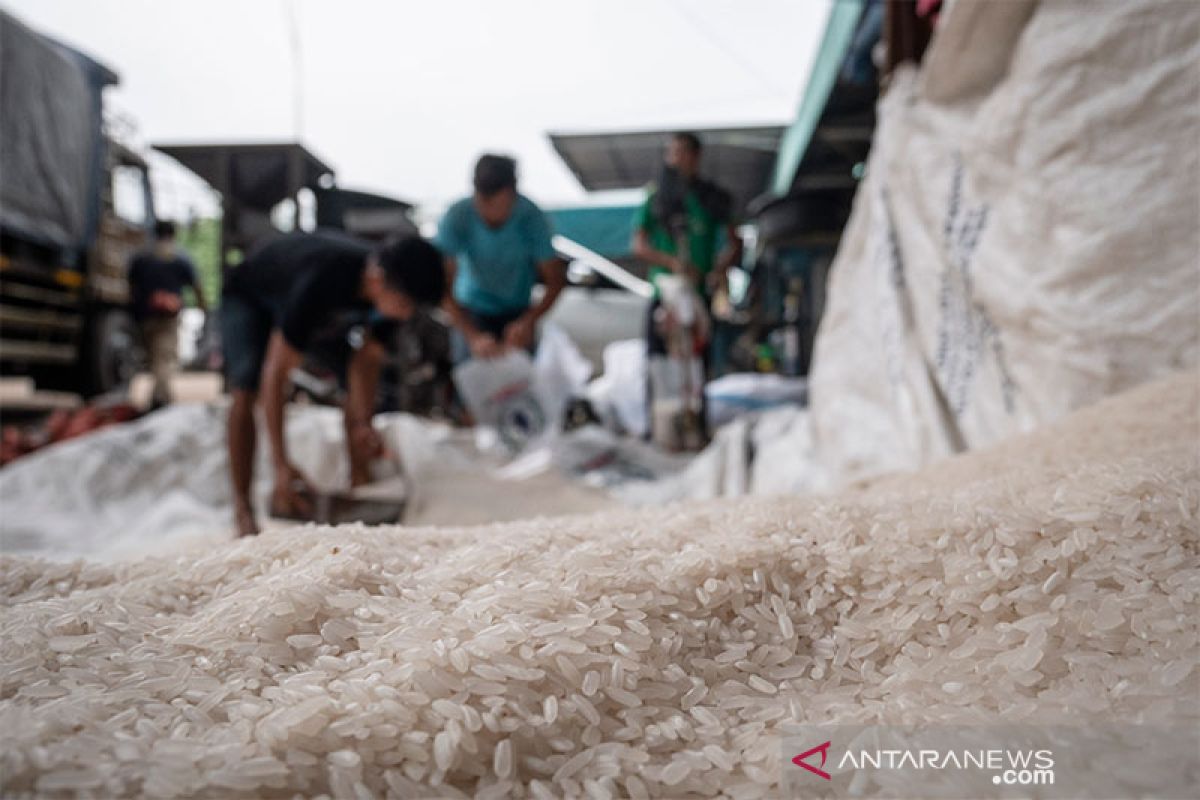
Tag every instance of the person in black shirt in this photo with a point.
(157, 278)
(276, 303)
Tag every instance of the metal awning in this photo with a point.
(738, 159)
(363, 214)
(823, 153)
(258, 175)
(839, 33)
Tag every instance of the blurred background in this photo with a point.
(236, 120)
(241, 121)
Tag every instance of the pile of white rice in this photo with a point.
(658, 653)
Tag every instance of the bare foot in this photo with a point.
(243, 520)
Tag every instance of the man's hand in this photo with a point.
(365, 445)
(362, 443)
(365, 438)
(686, 271)
(717, 283)
(483, 345)
(165, 302)
(293, 494)
(518, 334)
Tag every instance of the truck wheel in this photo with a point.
(115, 351)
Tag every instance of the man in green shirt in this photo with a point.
(678, 228)
(677, 231)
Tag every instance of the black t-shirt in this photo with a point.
(305, 280)
(148, 273)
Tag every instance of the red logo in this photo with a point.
(823, 749)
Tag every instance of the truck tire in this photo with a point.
(114, 352)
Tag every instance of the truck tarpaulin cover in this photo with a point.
(48, 137)
(1025, 241)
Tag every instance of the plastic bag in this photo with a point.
(521, 398)
(619, 395)
(732, 395)
(560, 373)
(499, 394)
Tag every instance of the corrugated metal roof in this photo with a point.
(739, 159)
(258, 172)
(840, 27)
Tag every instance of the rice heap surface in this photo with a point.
(652, 653)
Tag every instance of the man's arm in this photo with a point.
(520, 332)
(451, 241)
(456, 312)
(281, 359)
(483, 345)
(731, 254)
(137, 292)
(644, 250)
(362, 380)
(193, 280)
(199, 292)
(554, 277)
(651, 255)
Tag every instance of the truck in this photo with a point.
(75, 204)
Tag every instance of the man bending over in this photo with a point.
(278, 301)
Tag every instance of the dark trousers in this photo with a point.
(493, 324)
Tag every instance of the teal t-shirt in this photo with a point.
(497, 267)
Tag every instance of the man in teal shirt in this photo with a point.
(496, 244)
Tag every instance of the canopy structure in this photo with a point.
(256, 176)
(739, 159)
(363, 214)
(822, 153)
(253, 178)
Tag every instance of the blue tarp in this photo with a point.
(51, 139)
(605, 230)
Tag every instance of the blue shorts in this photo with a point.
(245, 332)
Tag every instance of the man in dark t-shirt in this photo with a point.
(157, 278)
(274, 305)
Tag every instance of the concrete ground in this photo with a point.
(452, 494)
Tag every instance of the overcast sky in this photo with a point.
(400, 97)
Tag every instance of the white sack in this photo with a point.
(1026, 240)
(620, 393)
